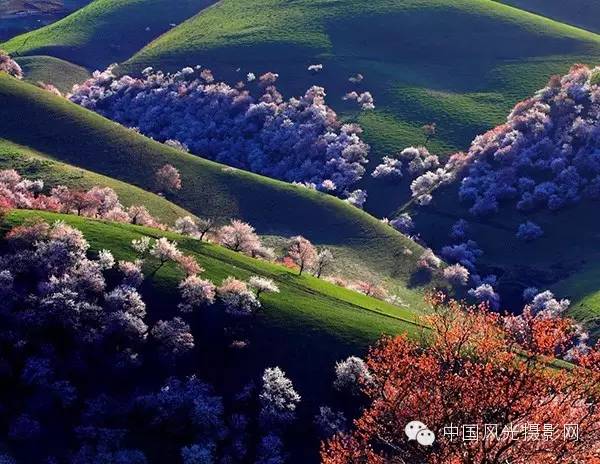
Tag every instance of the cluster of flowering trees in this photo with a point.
(297, 140)
(422, 167)
(167, 179)
(9, 66)
(483, 371)
(63, 323)
(546, 155)
(239, 236)
(76, 341)
(98, 202)
(418, 160)
(364, 99)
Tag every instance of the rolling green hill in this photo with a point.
(60, 73)
(36, 165)
(64, 131)
(309, 319)
(417, 57)
(580, 13)
(105, 31)
(412, 45)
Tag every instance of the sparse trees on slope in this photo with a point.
(429, 130)
(187, 226)
(485, 293)
(204, 227)
(164, 251)
(389, 168)
(262, 285)
(98, 202)
(457, 275)
(429, 261)
(403, 223)
(196, 292)
(237, 298)
(324, 260)
(9, 66)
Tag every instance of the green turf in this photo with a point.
(305, 328)
(105, 31)
(60, 73)
(580, 13)
(36, 165)
(69, 133)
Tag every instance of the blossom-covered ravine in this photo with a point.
(249, 125)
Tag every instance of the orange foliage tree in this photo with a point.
(491, 395)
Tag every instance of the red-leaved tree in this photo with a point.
(472, 371)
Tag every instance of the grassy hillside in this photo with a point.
(60, 73)
(309, 319)
(580, 13)
(566, 259)
(37, 119)
(36, 165)
(418, 58)
(105, 31)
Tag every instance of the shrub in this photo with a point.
(529, 231)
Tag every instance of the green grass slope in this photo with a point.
(105, 31)
(64, 131)
(462, 64)
(581, 13)
(309, 319)
(418, 57)
(50, 70)
(36, 165)
(398, 46)
(566, 259)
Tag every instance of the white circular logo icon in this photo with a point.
(417, 430)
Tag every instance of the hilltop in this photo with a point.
(418, 60)
(105, 31)
(580, 13)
